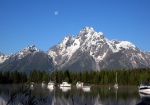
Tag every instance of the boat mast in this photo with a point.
(116, 77)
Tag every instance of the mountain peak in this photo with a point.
(31, 48)
(87, 30)
(26, 51)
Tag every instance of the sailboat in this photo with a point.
(116, 84)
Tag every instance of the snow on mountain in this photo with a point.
(86, 40)
(102, 50)
(116, 45)
(19, 55)
(28, 59)
(26, 51)
(2, 58)
(88, 50)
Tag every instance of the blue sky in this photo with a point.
(45, 23)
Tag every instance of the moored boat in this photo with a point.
(51, 84)
(144, 88)
(79, 84)
(65, 84)
(116, 84)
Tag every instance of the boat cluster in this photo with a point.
(65, 86)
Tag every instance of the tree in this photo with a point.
(1, 77)
(67, 76)
(6, 77)
(15, 77)
(23, 77)
(45, 77)
(96, 78)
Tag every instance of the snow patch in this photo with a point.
(140, 56)
(26, 51)
(71, 49)
(87, 30)
(116, 46)
(100, 58)
(3, 58)
(53, 55)
(125, 44)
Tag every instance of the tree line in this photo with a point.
(102, 77)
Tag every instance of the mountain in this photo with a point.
(90, 50)
(2, 57)
(28, 59)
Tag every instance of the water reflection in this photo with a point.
(145, 99)
(65, 89)
(50, 88)
(98, 95)
(86, 89)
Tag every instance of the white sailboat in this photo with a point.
(51, 85)
(65, 84)
(144, 88)
(79, 84)
(116, 84)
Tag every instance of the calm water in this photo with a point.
(98, 95)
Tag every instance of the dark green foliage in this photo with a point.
(13, 77)
(38, 76)
(102, 77)
(35, 76)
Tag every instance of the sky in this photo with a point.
(44, 23)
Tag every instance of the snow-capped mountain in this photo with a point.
(26, 51)
(88, 50)
(91, 50)
(19, 55)
(28, 59)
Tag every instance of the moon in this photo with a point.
(56, 13)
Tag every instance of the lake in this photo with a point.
(98, 95)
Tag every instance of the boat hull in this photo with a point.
(65, 84)
(51, 84)
(145, 90)
(79, 85)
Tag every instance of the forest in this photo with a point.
(102, 77)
